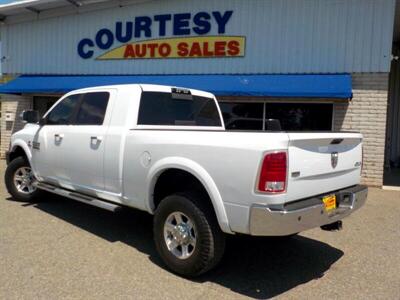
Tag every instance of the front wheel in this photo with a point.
(19, 180)
(187, 234)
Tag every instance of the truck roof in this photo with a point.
(145, 87)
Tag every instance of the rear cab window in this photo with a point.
(178, 108)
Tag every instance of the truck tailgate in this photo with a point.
(322, 162)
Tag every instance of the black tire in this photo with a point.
(12, 168)
(210, 240)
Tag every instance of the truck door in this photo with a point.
(47, 144)
(83, 148)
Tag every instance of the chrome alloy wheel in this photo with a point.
(24, 179)
(180, 235)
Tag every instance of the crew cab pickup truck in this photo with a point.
(165, 150)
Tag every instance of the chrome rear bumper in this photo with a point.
(305, 214)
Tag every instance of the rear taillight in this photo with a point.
(272, 178)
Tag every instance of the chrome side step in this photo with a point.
(78, 197)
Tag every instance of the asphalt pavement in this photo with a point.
(62, 249)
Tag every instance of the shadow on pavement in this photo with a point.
(252, 266)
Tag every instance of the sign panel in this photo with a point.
(189, 39)
(190, 47)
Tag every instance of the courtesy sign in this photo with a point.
(182, 35)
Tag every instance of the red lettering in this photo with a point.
(138, 52)
(129, 52)
(219, 48)
(233, 48)
(152, 48)
(164, 50)
(206, 51)
(183, 49)
(195, 50)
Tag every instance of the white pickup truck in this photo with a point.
(165, 150)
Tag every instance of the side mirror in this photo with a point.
(30, 116)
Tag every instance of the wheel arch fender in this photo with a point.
(198, 172)
(19, 143)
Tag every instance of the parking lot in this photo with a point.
(59, 248)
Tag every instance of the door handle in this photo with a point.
(96, 138)
(59, 136)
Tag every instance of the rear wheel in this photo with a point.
(187, 234)
(19, 180)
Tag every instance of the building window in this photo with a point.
(242, 116)
(43, 103)
(301, 116)
(291, 116)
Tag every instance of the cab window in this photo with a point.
(63, 112)
(92, 109)
(158, 108)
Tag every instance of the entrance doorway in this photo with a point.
(392, 159)
(392, 154)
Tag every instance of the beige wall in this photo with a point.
(367, 113)
(16, 105)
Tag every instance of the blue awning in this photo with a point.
(312, 85)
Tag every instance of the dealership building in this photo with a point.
(315, 65)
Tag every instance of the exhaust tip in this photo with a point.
(336, 226)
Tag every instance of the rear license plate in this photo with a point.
(329, 202)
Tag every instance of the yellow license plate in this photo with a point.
(329, 202)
